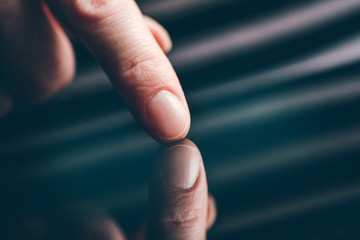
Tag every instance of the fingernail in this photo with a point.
(181, 166)
(167, 116)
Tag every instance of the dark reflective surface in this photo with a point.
(178, 206)
(274, 91)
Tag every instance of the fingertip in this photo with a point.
(212, 212)
(169, 120)
(160, 34)
(180, 166)
(180, 169)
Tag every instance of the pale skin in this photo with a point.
(37, 59)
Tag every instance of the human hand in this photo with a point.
(179, 206)
(37, 58)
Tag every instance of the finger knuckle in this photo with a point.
(182, 214)
(186, 219)
(89, 11)
(141, 71)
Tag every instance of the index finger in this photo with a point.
(115, 31)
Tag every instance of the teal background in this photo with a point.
(276, 119)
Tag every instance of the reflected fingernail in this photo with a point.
(181, 166)
(167, 116)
